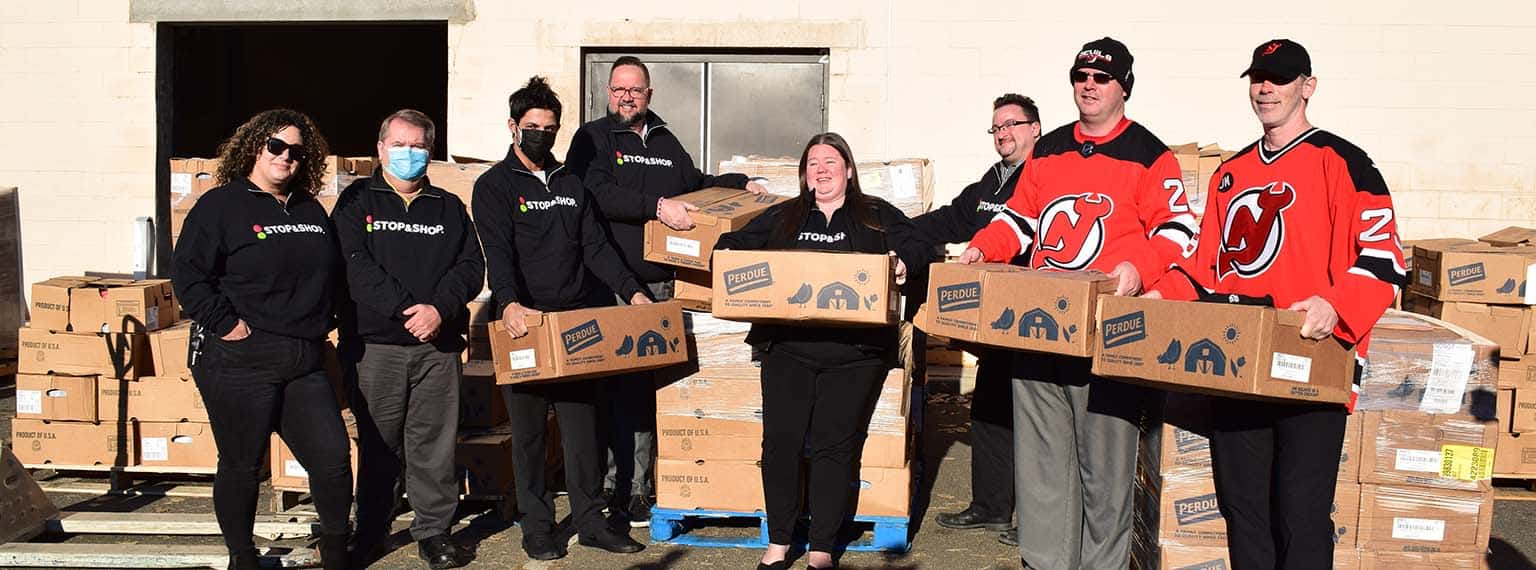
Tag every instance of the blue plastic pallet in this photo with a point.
(671, 526)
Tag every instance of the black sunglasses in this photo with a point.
(1099, 78)
(276, 146)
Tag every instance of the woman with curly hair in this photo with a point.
(256, 268)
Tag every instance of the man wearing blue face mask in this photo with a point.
(413, 264)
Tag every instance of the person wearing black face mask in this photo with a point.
(543, 248)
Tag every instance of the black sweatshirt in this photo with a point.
(541, 239)
(831, 346)
(628, 174)
(400, 255)
(245, 255)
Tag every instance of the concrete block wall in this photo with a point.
(1434, 92)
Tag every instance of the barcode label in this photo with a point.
(521, 359)
(1418, 529)
(155, 448)
(29, 401)
(1291, 367)
(292, 468)
(1417, 460)
(683, 246)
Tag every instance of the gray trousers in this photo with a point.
(628, 408)
(407, 405)
(1075, 460)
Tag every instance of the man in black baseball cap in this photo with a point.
(1280, 61)
(1109, 56)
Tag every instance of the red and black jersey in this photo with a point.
(1088, 202)
(1312, 218)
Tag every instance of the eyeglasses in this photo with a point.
(1006, 125)
(1099, 78)
(276, 146)
(635, 92)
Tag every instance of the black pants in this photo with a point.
(1276, 466)
(406, 399)
(252, 387)
(824, 412)
(576, 410)
(992, 435)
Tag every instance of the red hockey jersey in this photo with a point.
(1313, 218)
(1087, 202)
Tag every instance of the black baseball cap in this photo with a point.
(1283, 59)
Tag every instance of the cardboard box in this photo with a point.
(122, 305)
(690, 437)
(1345, 514)
(1506, 400)
(692, 290)
(486, 460)
(111, 355)
(168, 348)
(1512, 236)
(1012, 307)
(1423, 560)
(1349, 456)
(1420, 363)
(1522, 411)
(1180, 557)
(43, 442)
(1412, 519)
(458, 178)
(585, 343)
(289, 475)
(721, 210)
(1190, 514)
(1507, 325)
(738, 486)
(54, 397)
(1514, 455)
(805, 286)
(481, 403)
(151, 399)
(177, 444)
(50, 302)
(1477, 273)
(190, 178)
(1407, 448)
(1518, 373)
(1231, 350)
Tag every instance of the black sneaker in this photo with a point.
(440, 552)
(542, 546)
(606, 539)
(639, 511)
(1009, 537)
(244, 560)
(971, 518)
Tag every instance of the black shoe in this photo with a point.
(611, 541)
(333, 551)
(366, 547)
(542, 546)
(440, 552)
(245, 560)
(780, 565)
(1009, 537)
(640, 511)
(971, 518)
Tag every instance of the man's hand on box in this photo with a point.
(1321, 317)
(674, 213)
(515, 319)
(1127, 279)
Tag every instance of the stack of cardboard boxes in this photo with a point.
(709, 432)
(1197, 164)
(906, 183)
(104, 382)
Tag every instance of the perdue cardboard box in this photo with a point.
(721, 210)
(1190, 513)
(481, 404)
(168, 348)
(583, 343)
(1012, 307)
(805, 286)
(50, 302)
(43, 442)
(1422, 560)
(151, 399)
(177, 444)
(1507, 325)
(1179, 557)
(1515, 455)
(55, 397)
(1230, 350)
(1413, 519)
(111, 355)
(738, 486)
(122, 305)
(1478, 273)
(1409, 448)
(692, 290)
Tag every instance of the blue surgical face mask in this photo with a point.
(407, 163)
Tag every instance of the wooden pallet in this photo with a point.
(121, 480)
(1514, 487)
(672, 526)
(297, 501)
(138, 555)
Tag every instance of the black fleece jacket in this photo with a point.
(399, 255)
(831, 346)
(245, 255)
(628, 173)
(543, 243)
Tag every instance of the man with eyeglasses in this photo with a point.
(635, 167)
(1303, 217)
(413, 262)
(1100, 194)
(1015, 127)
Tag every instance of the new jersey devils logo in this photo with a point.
(1254, 230)
(1072, 231)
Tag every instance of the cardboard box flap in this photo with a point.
(1510, 236)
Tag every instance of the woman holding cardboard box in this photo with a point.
(820, 384)
(256, 268)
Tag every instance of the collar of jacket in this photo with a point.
(293, 197)
(515, 164)
(652, 121)
(377, 182)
